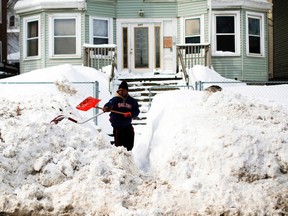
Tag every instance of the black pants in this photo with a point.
(124, 136)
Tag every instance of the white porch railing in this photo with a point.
(189, 55)
(99, 56)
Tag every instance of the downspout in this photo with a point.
(44, 36)
(210, 31)
(210, 22)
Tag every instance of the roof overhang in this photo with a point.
(26, 6)
(259, 5)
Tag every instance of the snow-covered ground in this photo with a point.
(201, 153)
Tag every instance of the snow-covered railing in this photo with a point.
(189, 55)
(202, 85)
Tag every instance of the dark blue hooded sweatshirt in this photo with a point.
(121, 104)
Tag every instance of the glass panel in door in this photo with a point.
(141, 47)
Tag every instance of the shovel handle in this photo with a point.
(73, 120)
(114, 111)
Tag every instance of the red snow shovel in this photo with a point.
(88, 103)
(91, 102)
(59, 118)
(84, 105)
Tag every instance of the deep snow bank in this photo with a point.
(223, 152)
(205, 154)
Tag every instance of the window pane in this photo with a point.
(254, 45)
(125, 47)
(32, 29)
(12, 21)
(226, 43)
(192, 27)
(225, 24)
(254, 26)
(65, 45)
(141, 47)
(64, 27)
(157, 47)
(32, 47)
(100, 28)
(32, 38)
(100, 41)
(192, 39)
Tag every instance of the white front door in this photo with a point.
(141, 47)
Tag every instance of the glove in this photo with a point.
(127, 114)
(106, 109)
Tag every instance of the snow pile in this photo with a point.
(200, 154)
(46, 168)
(210, 77)
(221, 152)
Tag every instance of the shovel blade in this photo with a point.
(88, 103)
(57, 119)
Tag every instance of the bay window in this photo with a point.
(226, 31)
(31, 37)
(255, 38)
(65, 35)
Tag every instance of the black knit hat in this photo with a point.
(123, 85)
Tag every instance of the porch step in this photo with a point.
(143, 89)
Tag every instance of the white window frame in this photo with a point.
(201, 18)
(25, 35)
(110, 28)
(78, 31)
(236, 15)
(259, 16)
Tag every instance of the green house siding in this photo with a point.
(53, 61)
(192, 9)
(186, 9)
(241, 67)
(232, 68)
(126, 9)
(229, 67)
(45, 60)
(27, 65)
(255, 68)
(244, 67)
(101, 9)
